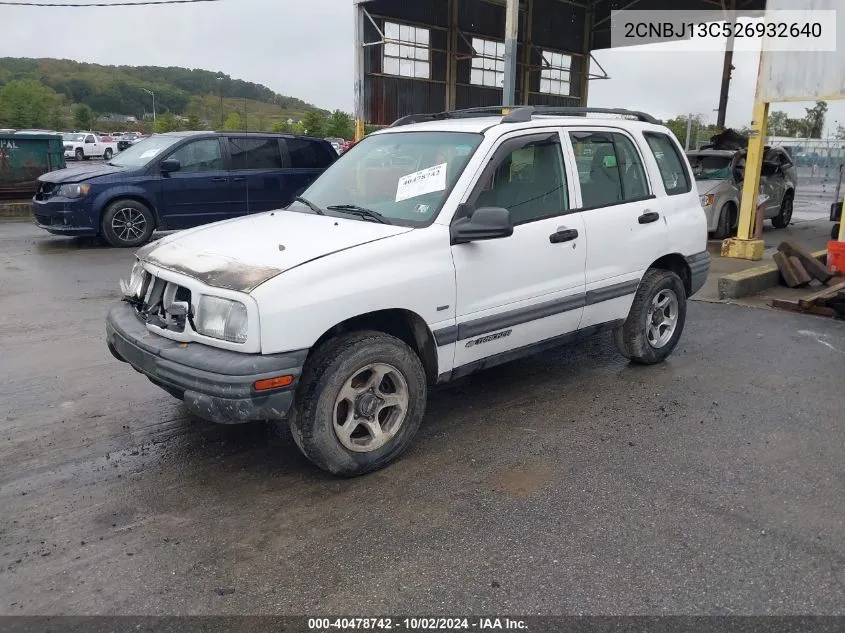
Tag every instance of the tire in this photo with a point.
(725, 227)
(108, 154)
(79, 155)
(784, 217)
(834, 232)
(127, 223)
(636, 339)
(342, 366)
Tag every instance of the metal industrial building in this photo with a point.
(419, 56)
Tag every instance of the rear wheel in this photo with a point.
(360, 403)
(784, 217)
(656, 320)
(127, 223)
(107, 154)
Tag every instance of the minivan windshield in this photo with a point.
(144, 151)
(709, 167)
(403, 177)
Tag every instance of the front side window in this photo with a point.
(527, 178)
(255, 153)
(671, 165)
(610, 169)
(404, 177)
(199, 156)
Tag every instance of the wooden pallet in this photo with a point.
(829, 302)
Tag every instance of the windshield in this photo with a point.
(404, 176)
(144, 151)
(710, 167)
(74, 138)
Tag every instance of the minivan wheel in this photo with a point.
(359, 403)
(784, 217)
(127, 223)
(656, 319)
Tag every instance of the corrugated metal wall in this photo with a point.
(556, 26)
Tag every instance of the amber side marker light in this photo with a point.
(273, 383)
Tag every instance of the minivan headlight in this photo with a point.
(222, 319)
(73, 190)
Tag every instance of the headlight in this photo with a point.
(73, 191)
(707, 200)
(222, 319)
(133, 287)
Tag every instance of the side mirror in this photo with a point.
(486, 223)
(170, 165)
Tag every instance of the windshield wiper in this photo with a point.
(310, 205)
(360, 212)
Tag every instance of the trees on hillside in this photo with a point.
(26, 103)
(340, 125)
(809, 126)
(314, 123)
(83, 117)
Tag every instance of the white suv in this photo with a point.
(442, 245)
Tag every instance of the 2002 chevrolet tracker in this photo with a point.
(442, 245)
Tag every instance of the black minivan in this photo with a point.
(179, 180)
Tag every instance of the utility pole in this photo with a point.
(220, 85)
(150, 92)
(689, 129)
(727, 68)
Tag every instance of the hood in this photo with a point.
(242, 254)
(79, 174)
(708, 186)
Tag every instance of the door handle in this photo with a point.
(563, 235)
(219, 179)
(648, 217)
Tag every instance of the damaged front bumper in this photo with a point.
(215, 384)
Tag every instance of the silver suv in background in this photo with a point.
(719, 175)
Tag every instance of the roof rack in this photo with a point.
(521, 114)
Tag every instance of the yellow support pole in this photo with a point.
(745, 245)
(359, 129)
(841, 237)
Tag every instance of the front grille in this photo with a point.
(157, 299)
(68, 148)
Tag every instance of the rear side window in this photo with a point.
(255, 153)
(610, 169)
(676, 180)
(307, 154)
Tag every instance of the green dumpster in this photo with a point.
(24, 156)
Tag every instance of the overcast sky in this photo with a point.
(304, 48)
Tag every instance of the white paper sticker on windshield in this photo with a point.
(149, 153)
(426, 180)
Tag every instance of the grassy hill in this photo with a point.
(182, 91)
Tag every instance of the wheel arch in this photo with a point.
(676, 263)
(406, 325)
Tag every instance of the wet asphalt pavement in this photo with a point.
(570, 482)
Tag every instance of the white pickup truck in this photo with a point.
(85, 145)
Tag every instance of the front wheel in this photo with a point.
(656, 319)
(127, 223)
(79, 155)
(784, 217)
(359, 404)
(725, 227)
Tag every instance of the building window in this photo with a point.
(406, 51)
(555, 74)
(488, 63)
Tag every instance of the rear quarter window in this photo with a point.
(673, 171)
(308, 154)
